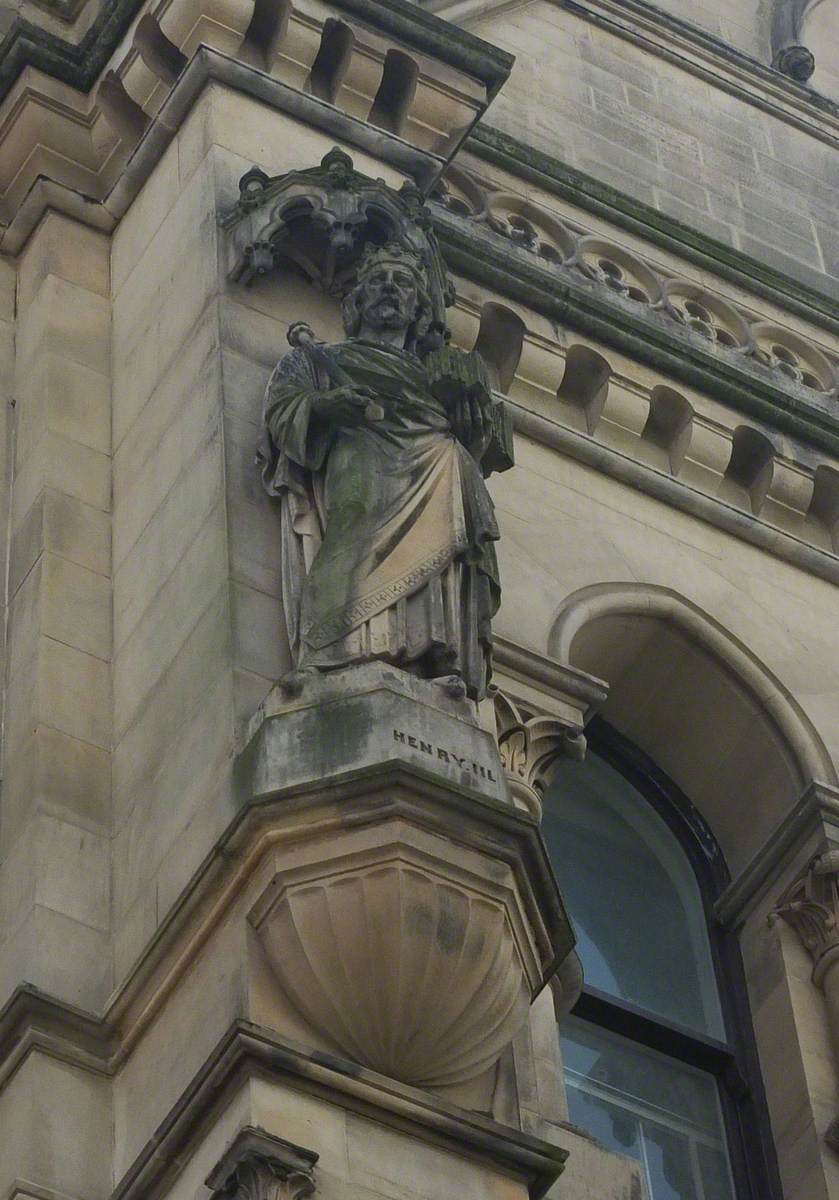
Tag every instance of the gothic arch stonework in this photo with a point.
(700, 704)
(664, 604)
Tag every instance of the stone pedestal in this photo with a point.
(412, 915)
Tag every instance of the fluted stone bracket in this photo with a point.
(261, 1166)
(417, 916)
(530, 746)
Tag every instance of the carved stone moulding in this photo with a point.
(413, 915)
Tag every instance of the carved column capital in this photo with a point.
(259, 1166)
(811, 907)
(529, 747)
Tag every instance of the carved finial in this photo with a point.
(259, 1166)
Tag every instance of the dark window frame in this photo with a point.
(733, 1063)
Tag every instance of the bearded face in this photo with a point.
(389, 298)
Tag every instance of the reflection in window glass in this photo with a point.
(659, 1111)
(620, 868)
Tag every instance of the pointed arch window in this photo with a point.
(659, 1059)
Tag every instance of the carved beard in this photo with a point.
(387, 312)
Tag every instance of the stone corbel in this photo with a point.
(260, 1166)
(529, 746)
(811, 907)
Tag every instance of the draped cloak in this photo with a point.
(387, 526)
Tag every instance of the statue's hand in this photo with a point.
(471, 424)
(345, 405)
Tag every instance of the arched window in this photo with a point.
(658, 1054)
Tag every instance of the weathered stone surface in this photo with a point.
(371, 714)
(375, 447)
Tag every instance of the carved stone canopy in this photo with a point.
(322, 219)
(261, 1166)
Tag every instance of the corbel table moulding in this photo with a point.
(80, 64)
(590, 195)
(486, 259)
(98, 148)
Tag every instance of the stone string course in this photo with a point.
(569, 247)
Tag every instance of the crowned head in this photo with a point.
(390, 297)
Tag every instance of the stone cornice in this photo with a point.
(622, 211)
(104, 211)
(93, 152)
(32, 1020)
(677, 494)
(248, 1049)
(80, 64)
(433, 36)
(490, 260)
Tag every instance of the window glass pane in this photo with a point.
(632, 896)
(657, 1110)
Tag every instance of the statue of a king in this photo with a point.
(374, 446)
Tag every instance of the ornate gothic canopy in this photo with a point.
(321, 220)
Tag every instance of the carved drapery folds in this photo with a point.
(529, 746)
(260, 1166)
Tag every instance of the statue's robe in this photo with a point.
(387, 526)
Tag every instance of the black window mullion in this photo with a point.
(618, 1016)
(735, 1064)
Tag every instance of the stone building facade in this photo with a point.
(264, 941)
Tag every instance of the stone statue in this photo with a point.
(374, 447)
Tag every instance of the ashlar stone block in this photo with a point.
(68, 250)
(55, 1131)
(72, 320)
(68, 398)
